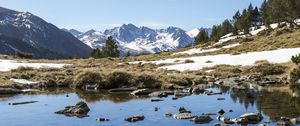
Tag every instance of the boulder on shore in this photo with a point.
(141, 92)
(81, 109)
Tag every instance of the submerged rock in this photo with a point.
(201, 119)
(102, 120)
(174, 98)
(140, 92)
(10, 91)
(168, 114)
(220, 99)
(156, 100)
(135, 118)
(81, 109)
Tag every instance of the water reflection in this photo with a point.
(92, 96)
(274, 104)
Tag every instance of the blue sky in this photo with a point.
(101, 14)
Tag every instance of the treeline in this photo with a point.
(271, 11)
(110, 49)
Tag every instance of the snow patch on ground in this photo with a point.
(200, 50)
(274, 56)
(7, 65)
(23, 81)
(254, 31)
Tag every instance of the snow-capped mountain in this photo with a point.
(35, 33)
(139, 40)
(194, 32)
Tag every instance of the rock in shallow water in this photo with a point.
(156, 100)
(81, 109)
(102, 120)
(135, 118)
(168, 115)
(252, 118)
(183, 116)
(201, 119)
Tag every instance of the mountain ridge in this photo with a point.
(139, 40)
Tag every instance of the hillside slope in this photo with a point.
(37, 33)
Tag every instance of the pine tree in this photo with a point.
(216, 33)
(245, 21)
(202, 37)
(226, 27)
(291, 12)
(111, 48)
(236, 23)
(265, 13)
(256, 17)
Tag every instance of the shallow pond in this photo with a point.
(116, 107)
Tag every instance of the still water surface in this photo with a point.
(116, 107)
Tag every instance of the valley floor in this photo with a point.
(241, 56)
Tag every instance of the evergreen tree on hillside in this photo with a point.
(245, 21)
(216, 33)
(291, 11)
(202, 37)
(256, 20)
(226, 27)
(277, 10)
(111, 48)
(265, 13)
(236, 24)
